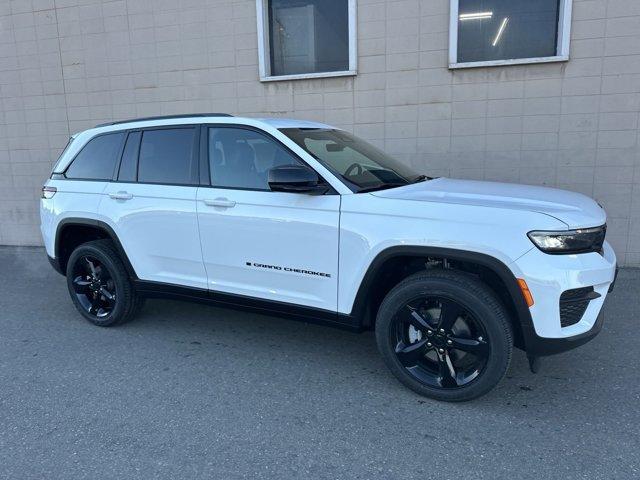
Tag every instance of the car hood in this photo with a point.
(573, 209)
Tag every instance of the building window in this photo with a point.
(306, 38)
(499, 32)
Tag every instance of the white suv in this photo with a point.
(305, 220)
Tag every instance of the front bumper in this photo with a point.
(540, 346)
(548, 276)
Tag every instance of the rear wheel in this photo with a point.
(445, 335)
(99, 285)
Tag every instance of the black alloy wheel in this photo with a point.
(99, 284)
(439, 342)
(94, 286)
(445, 335)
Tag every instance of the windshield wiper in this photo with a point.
(421, 178)
(384, 186)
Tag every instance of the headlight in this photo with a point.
(571, 241)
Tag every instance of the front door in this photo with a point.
(269, 245)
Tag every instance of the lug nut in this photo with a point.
(429, 332)
(449, 342)
(441, 350)
(442, 330)
(429, 344)
(480, 339)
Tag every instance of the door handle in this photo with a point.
(220, 202)
(121, 196)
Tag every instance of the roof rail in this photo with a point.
(164, 117)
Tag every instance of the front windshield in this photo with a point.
(360, 164)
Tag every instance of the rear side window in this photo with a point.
(167, 156)
(97, 159)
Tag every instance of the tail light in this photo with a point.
(48, 192)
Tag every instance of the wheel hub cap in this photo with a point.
(439, 340)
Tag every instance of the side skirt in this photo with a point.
(242, 302)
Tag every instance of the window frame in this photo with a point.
(562, 49)
(264, 48)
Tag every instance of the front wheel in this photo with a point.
(445, 335)
(99, 285)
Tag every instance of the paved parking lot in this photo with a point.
(190, 391)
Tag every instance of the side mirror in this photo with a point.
(296, 179)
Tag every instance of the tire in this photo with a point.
(99, 284)
(464, 360)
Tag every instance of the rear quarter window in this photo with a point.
(98, 158)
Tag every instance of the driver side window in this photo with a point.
(241, 158)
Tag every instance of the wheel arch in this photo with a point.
(386, 266)
(72, 232)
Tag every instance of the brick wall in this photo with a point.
(66, 65)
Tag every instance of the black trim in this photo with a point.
(55, 264)
(542, 346)
(205, 179)
(615, 277)
(116, 177)
(164, 117)
(88, 222)
(505, 274)
(242, 302)
(574, 303)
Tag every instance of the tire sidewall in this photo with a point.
(491, 320)
(118, 280)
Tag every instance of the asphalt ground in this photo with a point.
(191, 391)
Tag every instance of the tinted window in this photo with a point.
(240, 158)
(500, 30)
(166, 156)
(97, 160)
(308, 36)
(128, 164)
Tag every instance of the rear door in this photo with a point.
(269, 245)
(152, 203)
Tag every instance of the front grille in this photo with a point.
(598, 244)
(573, 304)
